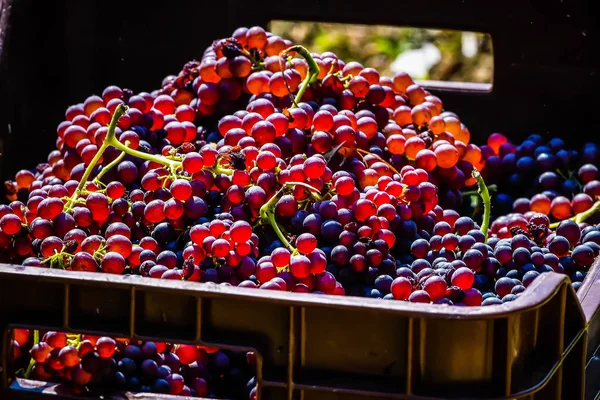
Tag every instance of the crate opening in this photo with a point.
(73, 364)
(437, 58)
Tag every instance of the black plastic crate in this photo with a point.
(330, 347)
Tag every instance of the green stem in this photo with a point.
(491, 188)
(267, 211)
(487, 200)
(119, 111)
(36, 340)
(224, 171)
(107, 168)
(582, 216)
(144, 156)
(311, 76)
(267, 215)
(558, 171)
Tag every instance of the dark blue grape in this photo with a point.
(535, 138)
(545, 268)
(537, 259)
(529, 277)
(466, 242)
(509, 297)
(593, 236)
(520, 241)
(521, 256)
(512, 274)
(463, 225)
(340, 255)
(503, 254)
(220, 361)
(556, 144)
(127, 366)
(490, 266)
(583, 255)
(551, 194)
(477, 235)
(160, 386)
(481, 282)
(568, 265)
(483, 248)
(133, 384)
(595, 248)
(330, 230)
(577, 276)
(517, 289)
(525, 164)
(545, 162)
(549, 180)
(526, 148)
(419, 248)
(383, 283)
(312, 224)
(563, 159)
(559, 246)
(570, 186)
(515, 180)
(490, 301)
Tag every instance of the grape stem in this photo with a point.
(311, 76)
(112, 141)
(36, 340)
(107, 168)
(582, 216)
(267, 216)
(491, 188)
(365, 152)
(119, 111)
(267, 211)
(487, 200)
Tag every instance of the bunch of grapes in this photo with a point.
(104, 365)
(542, 177)
(268, 167)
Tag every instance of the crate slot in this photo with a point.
(254, 324)
(99, 308)
(458, 356)
(169, 315)
(32, 302)
(353, 349)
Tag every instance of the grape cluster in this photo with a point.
(268, 167)
(546, 178)
(104, 365)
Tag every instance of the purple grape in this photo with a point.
(583, 255)
(559, 246)
(569, 230)
(520, 241)
(473, 259)
(529, 277)
(419, 248)
(504, 286)
(521, 256)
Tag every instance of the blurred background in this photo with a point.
(425, 54)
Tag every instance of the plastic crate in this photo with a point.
(329, 347)
(312, 347)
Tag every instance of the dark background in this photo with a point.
(56, 53)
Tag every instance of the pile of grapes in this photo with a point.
(269, 167)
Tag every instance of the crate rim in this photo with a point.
(539, 293)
